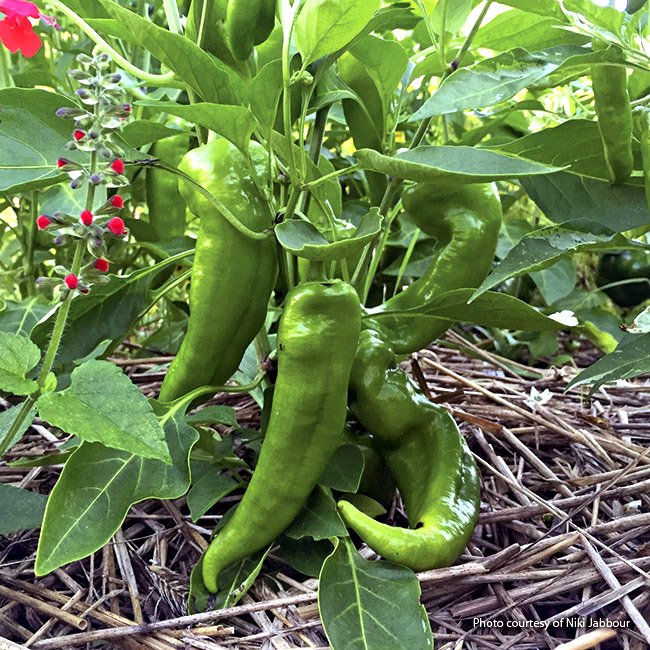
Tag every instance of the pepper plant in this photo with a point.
(291, 197)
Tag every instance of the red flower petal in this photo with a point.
(117, 166)
(117, 201)
(17, 33)
(71, 281)
(101, 265)
(43, 222)
(19, 8)
(86, 217)
(116, 226)
(79, 135)
(61, 162)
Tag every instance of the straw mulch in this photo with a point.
(563, 537)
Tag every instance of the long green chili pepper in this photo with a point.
(248, 23)
(434, 470)
(232, 275)
(317, 340)
(614, 116)
(466, 222)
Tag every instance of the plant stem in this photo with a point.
(31, 238)
(166, 80)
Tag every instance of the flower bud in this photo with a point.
(43, 222)
(101, 265)
(116, 226)
(86, 217)
(117, 166)
(71, 281)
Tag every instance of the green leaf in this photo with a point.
(106, 313)
(97, 487)
(304, 240)
(641, 323)
(449, 15)
(494, 80)
(450, 164)
(630, 359)
(20, 317)
(542, 248)
(366, 605)
(325, 26)
(575, 144)
(588, 204)
(265, 92)
(208, 76)
(21, 509)
(18, 355)
(305, 555)
(318, 518)
(343, 473)
(491, 309)
(8, 417)
(207, 490)
(140, 132)
(214, 414)
(32, 139)
(235, 123)
(516, 28)
(549, 8)
(103, 405)
(556, 282)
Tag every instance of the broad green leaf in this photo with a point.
(343, 473)
(575, 144)
(449, 15)
(491, 309)
(18, 355)
(588, 204)
(641, 323)
(235, 123)
(8, 417)
(548, 8)
(325, 26)
(140, 132)
(205, 74)
(265, 93)
(32, 139)
(304, 240)
(214, 414)
(21, 509)
(542, 248)
(106, 313)
(103, 405)
(318, 518)
(517, 28)
(20, 317)
(494, 80)
(609, 18)
(449, 164)
(62, 198)
(630, 359)
(305, 555)
(557, 281)
(367, 605)
(97, 487)
(208, 488)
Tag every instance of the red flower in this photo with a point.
(116, 226)
(117, 166)
(86, 217)
(101, 265)
(61, 162)
(43, 222)
(16, 30)
(117, 201)
(71, 281)
(79, 135)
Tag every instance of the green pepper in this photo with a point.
(627, 265)
(232, 275)
(466, 223)
(317, 340)
(434, 470)
(248, 23)
(612, 103)
(166, 205)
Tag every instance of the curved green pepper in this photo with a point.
(420, 442)
(166, 205)
(248, 23)
(317, 339)
(614, 116)
(627, 265)
(232, 275)
(466, 222)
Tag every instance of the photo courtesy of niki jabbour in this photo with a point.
(576, 621)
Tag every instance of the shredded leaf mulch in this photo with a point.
(560, 557)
